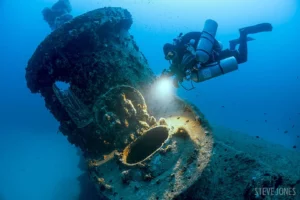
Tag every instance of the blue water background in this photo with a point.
(261, 98)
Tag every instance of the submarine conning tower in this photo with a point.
(92, 53)
(137, 146)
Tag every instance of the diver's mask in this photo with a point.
(171, 55)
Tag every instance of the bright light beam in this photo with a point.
(163, 89)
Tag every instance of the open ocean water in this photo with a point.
(261, 99)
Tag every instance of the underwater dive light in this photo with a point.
(164, 86)
(162, 89)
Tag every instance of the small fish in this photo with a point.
(285, 132)
(187, 121)
(223, 106)
(178, 117)
(298, 136)
(265, 113)
(293, 126)
(266, 121)
(257, 136)
(294, 146)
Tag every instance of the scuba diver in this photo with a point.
(198, 56)
(58, 14)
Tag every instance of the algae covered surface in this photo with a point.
(135, 145)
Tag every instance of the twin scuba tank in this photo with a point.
(203, 52)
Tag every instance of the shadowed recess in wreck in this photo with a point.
(146, 145)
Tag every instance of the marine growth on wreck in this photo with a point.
(136, 145)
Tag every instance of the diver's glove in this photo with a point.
(166, 73)
(178, 79)
(175, 82)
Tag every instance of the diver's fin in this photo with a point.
(235, 42)
(263, 27)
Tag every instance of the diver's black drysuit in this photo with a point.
(185, 58)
